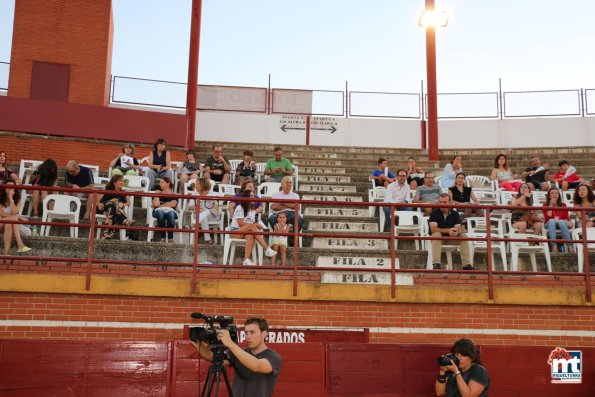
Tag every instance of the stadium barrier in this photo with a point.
(295, 267)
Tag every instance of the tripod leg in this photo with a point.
(227, 383)
(206, 390)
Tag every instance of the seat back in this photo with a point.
(478, 182)
(506, 197)
(28, 165)
(267, 189)
(136, 183)
(228, 190)
(406, 218)
(539, 197)
(62, 204)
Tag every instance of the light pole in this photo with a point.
(430, 19)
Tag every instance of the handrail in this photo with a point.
(296, 233)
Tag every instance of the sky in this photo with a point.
(374, 45)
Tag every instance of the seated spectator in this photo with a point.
(525, 218)
(463, 195)
(159, 163)
(592, 184)
(125, 163)
(381, 175)
(246, 169)
(248, 184)
(189, 170)
(278, 167)
(450, 171)
(504, 176)
(217, 167)
(445, 222)
(428, 192)
(45, 175)
(164, 209)
(112, 204)
(6, 174)
(537, 175)
(415, 175)
(584, 198)
(279, 243)
(9, 210)
(208, 209)
(289, 208)
(79, 177)
(396, 192)
(567, 178)
(557, 219)
(244, 220)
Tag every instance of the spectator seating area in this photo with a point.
(328, 176)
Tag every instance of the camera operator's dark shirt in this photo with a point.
(251, 384)
(476, 373)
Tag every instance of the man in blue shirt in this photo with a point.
(80, 177)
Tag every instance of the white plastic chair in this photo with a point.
(26, 169)
(267, 189)
(152, 222)
(577, 233)
(213, 225)
(376, 195)
(506, 197)
(64, 207)
(260, 171)
(233, 164)
(539, 197)
(407, 225)
(517, 247)
(231, 243)
(296, 175)
(478, 182)
(482, 246)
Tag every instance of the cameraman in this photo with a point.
(257, 367)
(469, 379)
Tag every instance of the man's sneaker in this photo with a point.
(468, 267)
(248, 262)
(436, 266)
(270, 252)
(24, 250)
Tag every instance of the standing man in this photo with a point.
(80, 177)
(537, 175)
(217, 166)
(445, 222)
(288, 207)
(257, 366)
(381, 175)
(278, 167)
(396, 192)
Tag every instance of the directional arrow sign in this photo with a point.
(285, 128)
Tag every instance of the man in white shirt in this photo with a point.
(288, 207)
(396, 192)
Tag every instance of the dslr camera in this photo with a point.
(444, 360)
(208, 331)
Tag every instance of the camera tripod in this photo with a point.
(215, 370)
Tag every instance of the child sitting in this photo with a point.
(279, 243)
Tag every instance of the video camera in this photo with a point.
(208, 331)
(444, 360)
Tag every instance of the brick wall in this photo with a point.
(31, 147)
(388, 322)
(75, 32)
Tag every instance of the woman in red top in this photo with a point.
(557, 219)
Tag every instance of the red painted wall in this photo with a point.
(171, 368)
(90, 121)
(74, 32)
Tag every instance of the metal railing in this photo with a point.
(90, 260)
(464, 105)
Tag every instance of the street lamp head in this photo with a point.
(434, 18)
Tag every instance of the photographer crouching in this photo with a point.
(461, 373)
(257, 366)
